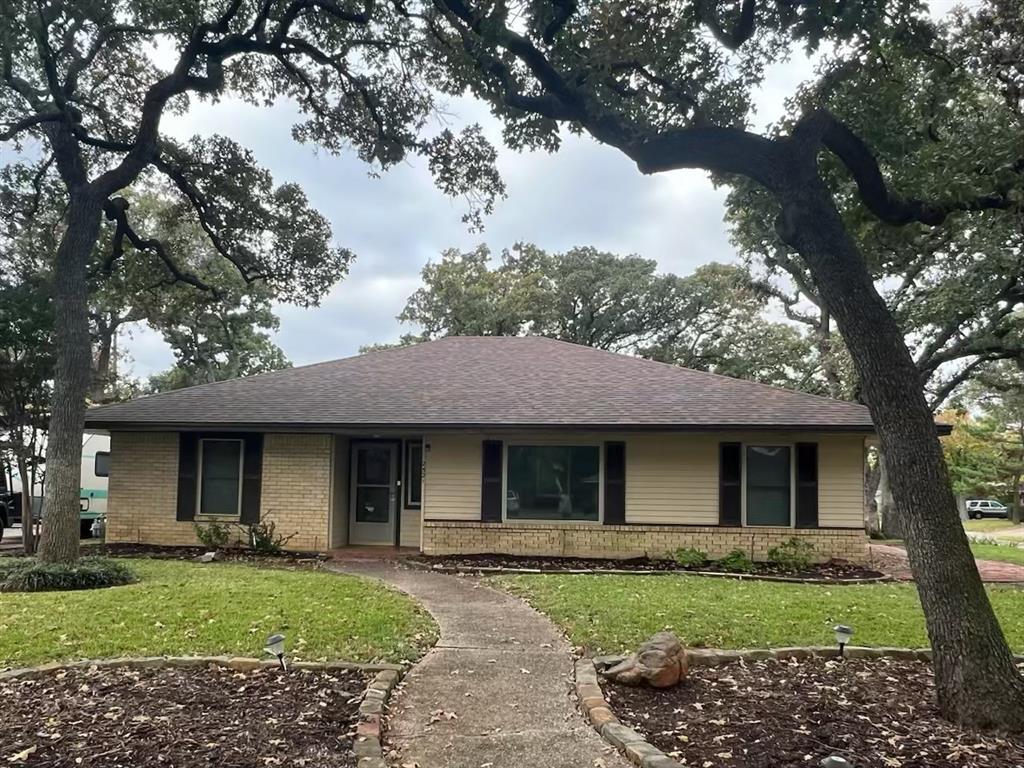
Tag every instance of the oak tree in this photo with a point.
(670, 85)
(86, 84)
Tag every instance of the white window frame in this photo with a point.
(199, 477)
(563, 444)
(408, 503)
(791, 447)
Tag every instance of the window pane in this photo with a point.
(102, 464)
(219, 494)
(553, 482)
(414, 473)
(372, 504)
(374, 465)
(768, 485)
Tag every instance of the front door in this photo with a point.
(373, 500)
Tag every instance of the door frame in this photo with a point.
(395, 500)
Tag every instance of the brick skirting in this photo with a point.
(624, 541)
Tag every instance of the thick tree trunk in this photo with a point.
(975, 677)
(72, 374)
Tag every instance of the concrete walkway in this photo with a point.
(494, 692)
(893, 560)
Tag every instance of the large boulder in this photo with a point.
(659, 662)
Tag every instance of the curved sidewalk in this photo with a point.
(495, 690)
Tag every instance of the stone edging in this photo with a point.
(646, 755)
(367, 747)
(490, 570)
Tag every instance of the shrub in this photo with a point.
(30, 575)
(213, 536)
(794, 554)
(737, 562)
(689, 557)
(264, 539)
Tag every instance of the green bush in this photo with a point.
(737, 562)
(794, 554)
(30, 575)
(213, 536)
(689, 557)
(264, 539)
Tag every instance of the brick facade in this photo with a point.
(143, 490)
(623, 541)
(296, 491)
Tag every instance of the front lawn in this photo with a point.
(183, 608)
(989, 525)
(1004, 553)
(611, 614)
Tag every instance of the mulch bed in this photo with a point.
(181, 717)
(877, 712)
(190, 553)
(835, 570)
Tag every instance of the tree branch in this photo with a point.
(116, 210)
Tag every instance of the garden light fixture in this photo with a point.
(275, 647)
(835, 761)
(843, 635)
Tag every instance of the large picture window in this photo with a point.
(769, 485)
(220, 477)
(553, 482)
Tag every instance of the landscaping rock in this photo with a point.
(660, 662)
(640, 750)
(208, 557)
(619, 735)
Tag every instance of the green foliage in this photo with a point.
(264, 539)
(29, 575)
(794, 554)
(183, 609)
(736, 561)
(213, 536)
(688, 557)
(715, 319)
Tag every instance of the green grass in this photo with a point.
(988, 525)
(183, 608)
(1003, 553)
(610, 614)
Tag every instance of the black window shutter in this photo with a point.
(252, 478)
(806, 485)
(614, 483)
(188, 466)
(490, 490)
(730, 484)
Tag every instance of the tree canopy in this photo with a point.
(719, 318)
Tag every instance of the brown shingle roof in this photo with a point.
(489, 382)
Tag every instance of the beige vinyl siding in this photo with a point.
(841, 482)
(451, 484)
(671, 478)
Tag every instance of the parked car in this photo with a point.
(979, 508)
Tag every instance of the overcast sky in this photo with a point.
(586, 194)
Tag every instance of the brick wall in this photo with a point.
(297, 487)
(622, 541)
(143, 489)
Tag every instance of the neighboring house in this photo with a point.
(493, 444)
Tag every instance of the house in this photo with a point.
(492, 444)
